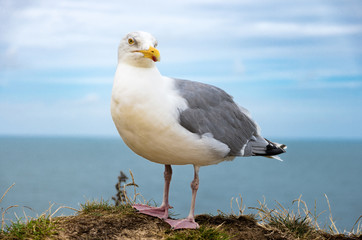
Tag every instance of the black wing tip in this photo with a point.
(273, 149)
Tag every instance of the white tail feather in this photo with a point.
(275, 157)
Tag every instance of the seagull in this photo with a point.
(177, 122)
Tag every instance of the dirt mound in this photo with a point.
(132, 225)
(123, 222)
(242, 227)
(110, 226)
(105, 225)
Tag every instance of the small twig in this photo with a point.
(333, 227)
(241, 209)
(231, 206)
(61, 207)
(17, 218)
(3, 216)
(356, 223)
(26, 217)
(48, 210)
(7, 190)
(134, 186)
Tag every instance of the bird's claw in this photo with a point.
(182, 223)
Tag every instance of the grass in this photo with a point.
(203, 233)
(94, 206)
(300, 221)
(98, 207)
(102, 217)
(39, 228)
(286, 219)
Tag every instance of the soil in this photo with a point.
(110, 225)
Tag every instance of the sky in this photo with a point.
(296, 65)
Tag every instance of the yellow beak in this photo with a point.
(151, 53)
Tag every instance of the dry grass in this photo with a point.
(102, 220)
(3, 212)
(27, 227)
(301, 221)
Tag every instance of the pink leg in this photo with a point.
(162, 211)
(189, 222)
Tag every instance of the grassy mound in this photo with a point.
(101, 220)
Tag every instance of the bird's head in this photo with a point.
(138, 49)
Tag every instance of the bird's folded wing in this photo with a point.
(212, 111)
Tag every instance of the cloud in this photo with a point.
(90, 98)
(323, 84)
(9, 58)
(297, 30)
(72, 30)
(57, 59)
(86, 115)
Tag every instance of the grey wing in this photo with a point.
(212, 110)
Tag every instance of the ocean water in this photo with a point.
(69, 171)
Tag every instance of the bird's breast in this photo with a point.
(147, 118)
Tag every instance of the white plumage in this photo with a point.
(177, 122)
(145, 108)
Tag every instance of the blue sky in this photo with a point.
(296, 65)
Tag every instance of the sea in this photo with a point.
(68, 171)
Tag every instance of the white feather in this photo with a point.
(145, 110)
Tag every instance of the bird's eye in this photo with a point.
(156, 43)
(131, 41)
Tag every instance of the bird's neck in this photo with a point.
(137, 62)
(131, 77)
